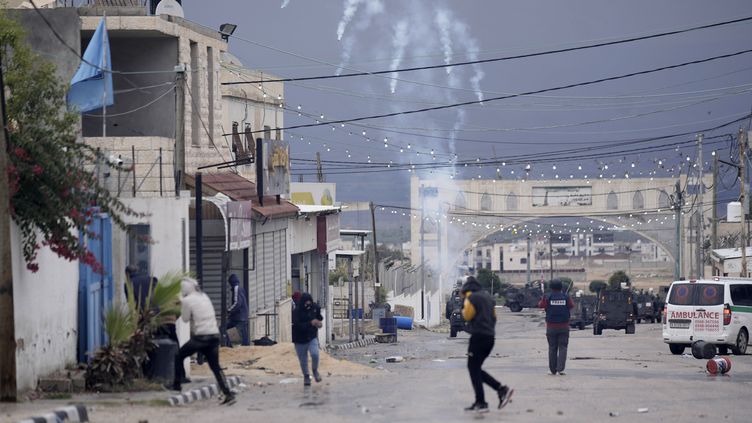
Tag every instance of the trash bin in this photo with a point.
(378, 313)
(162, 360)
(388, 324)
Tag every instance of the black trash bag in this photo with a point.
(702, 350)
(264, 342)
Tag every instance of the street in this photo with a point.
(614, 373)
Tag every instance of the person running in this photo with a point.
(557, 305)
(479, 312)
(198, 311)
(237, 312)
(306, 321)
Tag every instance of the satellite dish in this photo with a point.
(170, 7)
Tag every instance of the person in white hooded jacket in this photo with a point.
(197, 310)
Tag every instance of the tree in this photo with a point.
(597, 285)
(53, 189)
(618, 278)
(486, 277)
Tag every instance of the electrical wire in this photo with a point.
(109, 115)
(500, 59)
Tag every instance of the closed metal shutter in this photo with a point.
(212, 256)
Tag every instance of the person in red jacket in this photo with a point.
(557, 305)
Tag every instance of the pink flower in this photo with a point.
(33, 267)
(36, 169)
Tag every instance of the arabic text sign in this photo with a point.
(562, 196)
(239, 214)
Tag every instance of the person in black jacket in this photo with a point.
(237, 312)
(479, 312)
(306, 321)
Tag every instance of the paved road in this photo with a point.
(612, 373)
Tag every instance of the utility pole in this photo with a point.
(714, 213)
(551, 252)
(701, 229)
(422, 254)
(376, 283)
(7, 319)
(180, 129)
(319, 170)
(678, 218)
(528, 259)
(742, 169)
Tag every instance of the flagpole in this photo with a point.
(104, 79)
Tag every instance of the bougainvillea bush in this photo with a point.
(54, 192)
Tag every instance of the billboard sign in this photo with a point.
(313, 193)
(276, 170)
(562, 196)
(239, 215)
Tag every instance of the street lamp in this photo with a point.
(226, 30)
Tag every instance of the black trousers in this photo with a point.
(208, 345)
(558, 342)
(480, 348)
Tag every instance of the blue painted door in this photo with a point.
(95, 288)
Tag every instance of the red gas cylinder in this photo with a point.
(718, 365)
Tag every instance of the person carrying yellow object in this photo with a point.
(480, 314)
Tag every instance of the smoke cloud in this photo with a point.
(399, 42)
(284, 3)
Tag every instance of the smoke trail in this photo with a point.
(443, 22)
(285, 3)
(399, 42)
(351, 6)
(471, 46)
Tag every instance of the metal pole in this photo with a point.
(551, 252)
(199, 231)
(677, 222)
(357, 306)
(701, 228)
(422, 255)
(260, 171)
(161, 191)
(8, 388)
(180, 130)
(350, 299)
(714, 213)
(528, 259)
(246, 265)
(133, 158)
(742, 195)
(223, 282)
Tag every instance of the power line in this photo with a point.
(499, 59)
(504, 97)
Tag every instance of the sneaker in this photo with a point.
(562, 374)
(306, 380)
(317, 377)
(551, 373)
(478, 407)
(505, 395)
(229, 400)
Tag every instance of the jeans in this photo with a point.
(303, 350)
(208, 345)
(558, 341)
(479, 349)
(242, 327)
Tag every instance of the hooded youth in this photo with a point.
(302, 329)
(238, 310)
(197, 307)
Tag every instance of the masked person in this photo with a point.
(237, 312)
(557, 305)
(197, 310)
(306, 321)
(479, 312)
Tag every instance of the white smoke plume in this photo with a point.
(350, 7)
(444, 24)
(284, 3)
(471, 46)
(399, 42)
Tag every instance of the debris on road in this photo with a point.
(642, 410)
(613, 414)
(395, 359)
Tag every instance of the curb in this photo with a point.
(356, 344)
(72, 413)
(203, 393)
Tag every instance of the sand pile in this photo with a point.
(280, 358)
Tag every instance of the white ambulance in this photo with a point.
(717, 310)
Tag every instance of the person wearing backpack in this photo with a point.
(557, 305)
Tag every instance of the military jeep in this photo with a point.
(614, 309)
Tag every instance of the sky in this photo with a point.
(298, 38)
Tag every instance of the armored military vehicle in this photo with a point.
(454, 312)
(526, 297)
(647, 307)
(583, 311)
(614, 309)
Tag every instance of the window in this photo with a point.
(612, 201)
(709, 294)
(638, 202)
(663, 200)
(485, 202)
(195, 96)
(139, 247)
(511, 201)
(479, 253)
(459, 201)
(741, 295)
(267, 132)
(523, 260)
(210, 82)
(681, 294)
(703, 294)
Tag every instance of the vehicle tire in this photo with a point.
(630, 329)
(676, 349)
(581, 326)
(639, 321)
(452, 332)
(740, 347)
(723, 350)
(515, 307)
(597, 329)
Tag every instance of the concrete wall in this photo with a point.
(44, 42)
(303, 235)
(46, 314)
